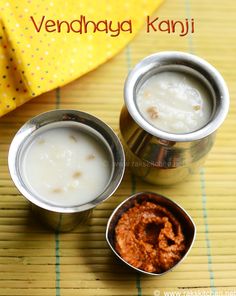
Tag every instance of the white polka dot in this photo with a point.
(51, 3)
(46, 52)
(28, 45)
(17, 25)
(37, 68)
(26, 10)
(53, 39)
(7, 4)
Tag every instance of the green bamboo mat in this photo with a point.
(35, 261)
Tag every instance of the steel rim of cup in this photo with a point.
(54, 116)
(184, 60)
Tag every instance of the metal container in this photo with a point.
(157, 156)
(58, 217)
(188, 226)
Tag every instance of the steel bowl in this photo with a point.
(161, 157)
(65, 218)
(188, 226)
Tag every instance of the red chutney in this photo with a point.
(149, 237)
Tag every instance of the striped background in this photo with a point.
(34, 261)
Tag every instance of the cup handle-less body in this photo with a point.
(162, 157)
(160, 161)
(61, 222)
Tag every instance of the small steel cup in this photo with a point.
(161, 157)
(58, 217)
(188, 226)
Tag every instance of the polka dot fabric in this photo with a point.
(34, 62)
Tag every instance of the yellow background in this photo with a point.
(85, 265)
(32, 62)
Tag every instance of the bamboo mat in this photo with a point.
(35, 261)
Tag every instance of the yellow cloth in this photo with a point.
(32, 62)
